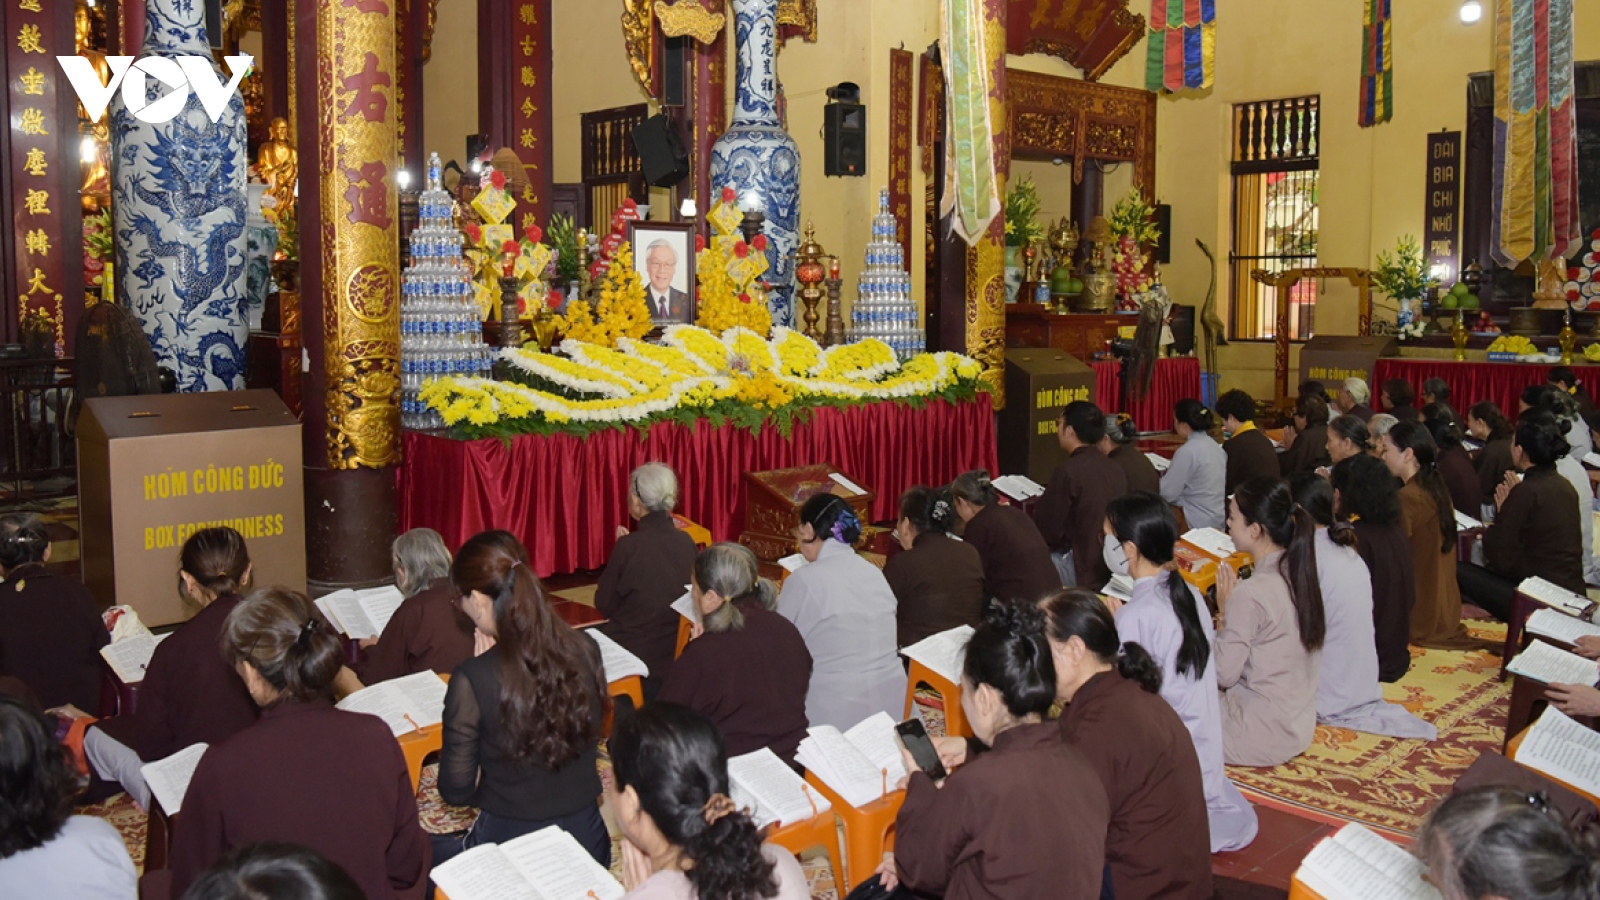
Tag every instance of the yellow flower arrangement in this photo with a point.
(797, 353)
(700, 344)
(621, 312)
(763, 391)
(725, 301)
(670, 358)
(869, 359)
(747, 344)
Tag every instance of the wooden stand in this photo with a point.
(1035, 325)
(772, 502)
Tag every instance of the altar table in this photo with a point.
(564, 496)
(1473, 381)
(1176, 377)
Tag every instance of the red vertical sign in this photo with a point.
(530, 116)
(900, 146)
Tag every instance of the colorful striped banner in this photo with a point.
(1183, 45)
(1535, 139)
(1376, 104)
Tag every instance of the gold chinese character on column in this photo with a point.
(36, 283)
(527, 138)
(32, 121)
(529, 15)
(36, 165)
(37, 203)
(32, 82)
(527, 46)
(37, 242)
(528, 78)
(528, 109)
(29, 5)
(30, 40)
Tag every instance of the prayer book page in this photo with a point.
(771, 790)
(1564, 750)
(345, 612)
(1560, 626)
(1592, 459)
(944, 653)
(844, 767)
(483, 873)
(559, 868)
(405, 704)
(1553, 595)
(1465, 522)
(1211, 541)
(846, 483)
(380, 604)
(792, 562)
(1018, 487)
(874, 736)
(169, 778)
(618, 663)
(1120, 587)
(685, 607)
(1356, 864)
(1160, 462)
(130, 657)
(1550, 665)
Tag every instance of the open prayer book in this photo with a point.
(945, 653)
(548, 864)
(361, 614)
(1592, 459)
(1018, 487)
(1555, 595)
(1550, 665)
(1558, 626)
(404, 704)
(1161, 463)
(1120, 587)
(685, 607)
(130, 657)
(169, 778)
(618, 663)
(1465, 522)
(1211, 541)
(861, 764)
(1356, 864)
(1564, 750)
(771, 791)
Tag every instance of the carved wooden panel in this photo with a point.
(1054, 117)
(1089, 34)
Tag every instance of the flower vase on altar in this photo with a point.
(755, 156)
(179, 191)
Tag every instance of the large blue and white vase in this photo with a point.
(755, 156)
(178, 190)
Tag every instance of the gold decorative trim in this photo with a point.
(638, 39)
(688, 17)
(801, 14)
(427, 31)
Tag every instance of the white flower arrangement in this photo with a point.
(1413, 330)
(542, 365)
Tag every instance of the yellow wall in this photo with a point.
(450, 82)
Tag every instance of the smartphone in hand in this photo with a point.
(920, 746)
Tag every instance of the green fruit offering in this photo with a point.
(1061, 281)
(1077, 286)
(1449, 301)
(1469, 301)
(1461, 289)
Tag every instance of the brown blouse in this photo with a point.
(1142, 474)
(428, 632)
(1250, 454)
(647, 571)
(1538, 532)
(1016, 560)
(50, 637)
(1436, 615)
(1072, 513)
(937, 584)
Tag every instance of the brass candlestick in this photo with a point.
(809, 273)
(584, 280)
(835, 333)
(1458, 336)
(510, 325)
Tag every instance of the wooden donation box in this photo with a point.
(152, 470)
(1080, 334)
(772, 502)
(1039, 384)
(1331, 359)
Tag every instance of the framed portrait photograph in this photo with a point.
(663, 254)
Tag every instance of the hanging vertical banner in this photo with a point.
(976, 29)
(530, 35)
(1376, 103)
(1182, 50)
(900, 147)
(1535, 132)
(1441, 225)
(930, 112)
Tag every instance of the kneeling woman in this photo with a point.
(1028, 818)
(330, 780)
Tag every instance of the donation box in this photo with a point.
(154, 469)
(772, 502)
(1039, 384)
(1331, 359)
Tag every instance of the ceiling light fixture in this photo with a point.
(1471, 11)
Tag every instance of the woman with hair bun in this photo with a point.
(1120, 444)
(1489, 427)
(748, 668)
(1016, 560)
(937, 581)
(1194, 481)
(1499, 842)
(50, 627)
(1365, 495)
(1026, 819)
(275, 869)
(331, 780)
(682, 837)
(1270, 639)
(1347, 437)
(845, 610)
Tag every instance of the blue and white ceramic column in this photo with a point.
(755, 156)
(179, 215)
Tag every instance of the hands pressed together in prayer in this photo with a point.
(1503, 489)
(1227, 580)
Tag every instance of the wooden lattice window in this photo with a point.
(1275, 193)
(611, 167)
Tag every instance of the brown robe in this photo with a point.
(428, 632)
(751, 682)
(1361, 411)
(1307, 453)
(1405, 413)
(1142, 474)
(1016, 560)
(50, 637)
(1461, 477)
(1159, 841)
(189, 695)
(647, 571)
(1027, 819)
(1072, 513)
(1538, 532)
(1250, 454)
(1436, 615)
(313, 775)
(1494, 461)
(937, 584)
(1387, 553)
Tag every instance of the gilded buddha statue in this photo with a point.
(279, 166)
(96, 180)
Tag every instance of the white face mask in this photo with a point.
(1116, 559)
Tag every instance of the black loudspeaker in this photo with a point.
(661, 151)
(1182, 329)
(213, 10)
(674, 71)
(844, 137)
(1163, 219)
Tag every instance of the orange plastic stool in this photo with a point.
(955, 721)
(868, 830)
(630, 687)
(685, 632)
(416, 746)
(821, 830)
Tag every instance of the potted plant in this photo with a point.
(1022, 230)
(1404, 276)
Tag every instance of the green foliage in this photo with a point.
(1404, 275)
(563, 238)
(1022, 213)
(1135, 218)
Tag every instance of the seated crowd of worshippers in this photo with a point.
(1122, 793)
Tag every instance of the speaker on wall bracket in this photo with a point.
(844, 132)
(661, 151)
(1163, 221)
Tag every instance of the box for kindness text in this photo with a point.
(152, 470)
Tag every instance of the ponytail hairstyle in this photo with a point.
(831, 517)
(551, 686)
(1121, 429)
(676, 763)
(1313, 494)
(1446, 430)
(1366, 489)
(1008, 652)
(282, 636)
(1414, 437)
(1540, 437)
(1497, 841)
(731, 570)
(1145, 520)
(975, 487)
(1489, 414)
(1194, 414)
(929, 510)
(1267, 502)
(22, 540)
(216, 559)
(1073, 613)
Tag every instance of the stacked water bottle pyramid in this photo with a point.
(884, 308)
(441, 325)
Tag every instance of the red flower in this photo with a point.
(534, 234)
(744, 298)
(511, 248)
(741, 249)
(728, 196)
(498, 179)
(699, 242)
(554, 299)
(760, 243)
(474, 233)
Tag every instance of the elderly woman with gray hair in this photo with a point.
(428, 630)
(747, 668)
(646, 572)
